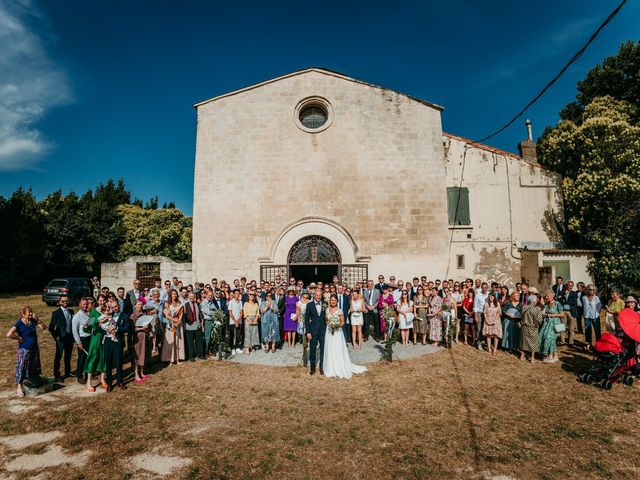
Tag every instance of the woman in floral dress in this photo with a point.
(384, 300)
(529, 325)
(421, 308)
(435, 317)
(492, 326)
(449, 308)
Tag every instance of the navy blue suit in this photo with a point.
(63, 337)
(316, 325)
(113, 349)
(346, 328)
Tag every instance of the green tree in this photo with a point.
(67, 252)
(104, 229)
(618, 76)
(163, 231)
(599, 157)
(23, 244)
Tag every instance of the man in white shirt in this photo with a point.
(81, 338)
(235, 321)
(478, 310)
(397, 293)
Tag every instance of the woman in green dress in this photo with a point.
(548, 335)
(95, 359)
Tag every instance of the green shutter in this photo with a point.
(464, 217)
(458, 206)
(451, 203)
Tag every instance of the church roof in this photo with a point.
(323, 71)
(488, 148)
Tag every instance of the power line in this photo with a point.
(564, 69)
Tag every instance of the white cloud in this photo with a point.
(30, 85)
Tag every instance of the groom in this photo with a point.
(316, 326)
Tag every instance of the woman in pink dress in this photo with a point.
(386, 299)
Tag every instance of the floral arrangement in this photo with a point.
(389, 316)
(334, 322)
(217, 343)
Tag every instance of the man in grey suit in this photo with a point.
(134, 294)
(370, 295)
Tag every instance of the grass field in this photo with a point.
(454, 414)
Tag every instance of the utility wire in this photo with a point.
(564, 69)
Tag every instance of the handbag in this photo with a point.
(559, 327)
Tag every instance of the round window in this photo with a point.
(313, 116)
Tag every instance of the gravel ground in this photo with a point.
(371, 352)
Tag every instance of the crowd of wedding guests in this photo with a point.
(199, 321)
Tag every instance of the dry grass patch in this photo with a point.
(453, 414)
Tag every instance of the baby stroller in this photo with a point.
(615, 355)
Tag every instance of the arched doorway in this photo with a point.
(314, 258)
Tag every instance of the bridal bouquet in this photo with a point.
(334, 323)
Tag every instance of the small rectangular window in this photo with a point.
(460, 261)
(458, 206)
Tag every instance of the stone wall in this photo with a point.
(512, 201)
(122, 274)
(375, 176)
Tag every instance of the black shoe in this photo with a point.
(313, 370)
(321, 371)
(109, 389)
(122, 386)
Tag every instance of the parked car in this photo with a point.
(74, 288)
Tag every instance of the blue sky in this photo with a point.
(93, 90)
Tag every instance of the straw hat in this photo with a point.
(534, 290)
(630, 299)
(291, 288)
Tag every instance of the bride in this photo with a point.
(336, 360)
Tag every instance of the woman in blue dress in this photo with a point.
(290, 321)
(270, 327)
(28, 355)
(511, 315)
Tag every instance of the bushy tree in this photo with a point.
(23, 243)
(67, 235)
(163, 231)
(599, 157)
(618, 76)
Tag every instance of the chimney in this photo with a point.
(528, 147)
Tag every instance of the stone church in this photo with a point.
(315, 174)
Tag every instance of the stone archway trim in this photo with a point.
(306, 226)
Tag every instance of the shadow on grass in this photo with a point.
(575, 362)
(473, 434)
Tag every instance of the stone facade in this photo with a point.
(122, 274)
(365, 181)
(513, 202)
(373, 180)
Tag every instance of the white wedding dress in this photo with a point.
(336, 360)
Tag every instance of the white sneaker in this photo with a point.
(240, 350)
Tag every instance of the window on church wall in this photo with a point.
(314, 249)
(458, 205)
(148, 273)
(313, 116)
